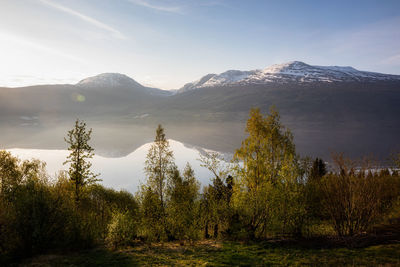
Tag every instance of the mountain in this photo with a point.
(118, 80)
(109, 80)
(327, 108)
(291, 72)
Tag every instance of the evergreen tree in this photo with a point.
(318, 169)
(313, 192)
(80, 152)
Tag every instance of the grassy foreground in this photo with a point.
(209, 253)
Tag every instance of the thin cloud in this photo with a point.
(23, 41)
(148, 4)
(85, 18)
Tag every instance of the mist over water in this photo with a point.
(119, 173)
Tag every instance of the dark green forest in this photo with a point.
(267, 192)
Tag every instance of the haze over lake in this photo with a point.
(123, 172)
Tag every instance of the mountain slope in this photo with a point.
(291, 72)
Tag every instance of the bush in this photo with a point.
(354, 199)
(121, 230)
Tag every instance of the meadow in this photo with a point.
(215, 253)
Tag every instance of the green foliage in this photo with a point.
(37, 214)
(79, 170)
(183, 193)
(10, 173)
(159, 167)
(159, 164)
(103, 202)
(268, 193)
(216, 209)
(151, 226)
(121, 229)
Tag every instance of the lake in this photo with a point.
(123, 172)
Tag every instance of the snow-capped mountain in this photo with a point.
(294, 71)
(108, 80)
(118, 80)
(228, 77)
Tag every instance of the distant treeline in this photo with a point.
(267, 191)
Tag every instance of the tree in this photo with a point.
(121, 230)
(216, 202)
(10, 174)
(313, 192)
(80, 167)
(183, 192)
(318, 169)
(268, 186)
(152, 223)
(159, 166)
(13, 172)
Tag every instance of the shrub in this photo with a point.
(354, 199)
(121, 230)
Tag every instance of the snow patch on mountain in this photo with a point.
(294, 71)
(109, 80)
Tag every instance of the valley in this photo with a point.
(328, 109)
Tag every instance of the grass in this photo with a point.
(210, 253)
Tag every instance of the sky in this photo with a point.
(167, 43)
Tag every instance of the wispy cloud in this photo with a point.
(8, 38)
(93, 21)
(155, 6)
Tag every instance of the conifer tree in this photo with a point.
(79, 171)
(318, 169)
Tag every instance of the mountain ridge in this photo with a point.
(293, 71)
(289, 72)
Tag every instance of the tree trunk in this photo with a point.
(216, 230)
(206, 234)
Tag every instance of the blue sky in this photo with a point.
(166, 43)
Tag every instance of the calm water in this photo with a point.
(119, 173)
